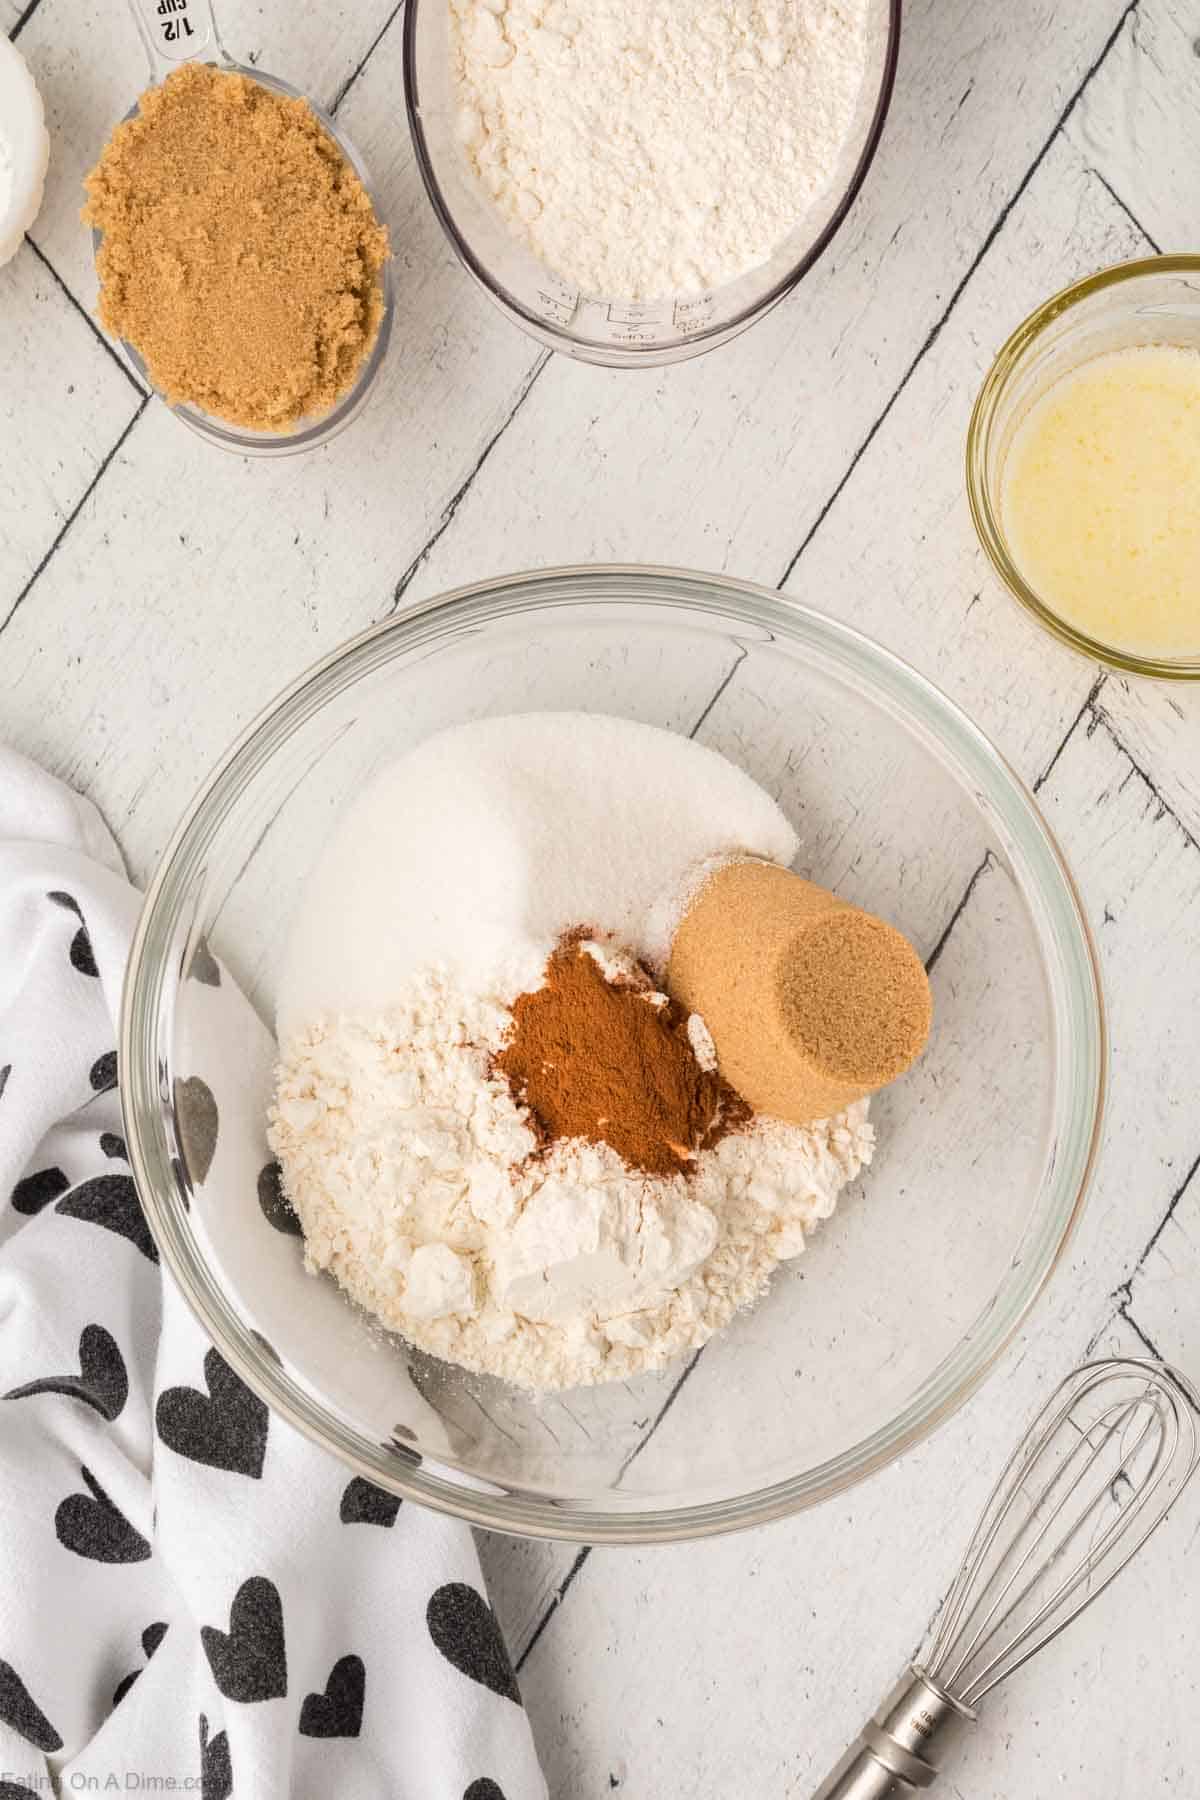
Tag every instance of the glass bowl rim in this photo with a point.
(888, 680)
(679, 349)
(985, 516)
(315, 430)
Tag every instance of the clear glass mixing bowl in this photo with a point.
(596, 327)
(902, 1301)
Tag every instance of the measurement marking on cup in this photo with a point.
(176, 29)
(695, 314)
(557, 299)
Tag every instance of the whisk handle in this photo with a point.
(898, 1752)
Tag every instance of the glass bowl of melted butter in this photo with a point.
(1083, 466)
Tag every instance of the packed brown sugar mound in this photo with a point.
(241, 255)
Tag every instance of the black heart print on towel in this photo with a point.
(276, 1207)
(196, 1121)
(338, 1711)
(152, 1637)
(483, 1789)
(5, 1072)
(463, 1627)
(111, 1201)
(365, 1504)
(248, 1661)
(92, 1526)
(19, 1709)
(103, 1072)
(35, 1191)
(216, 1768)
(123, 1686)
(225, 1428)
(82, 955)
(113, 1146)
(102, 1382)
(15, 1790)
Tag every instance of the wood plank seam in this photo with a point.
(461, 492)
(1123, 1312)
(74, 514)
(662, 1412)
(1176, 1197)
(931, 960)
(1085, 710)
(371, 49)
(23, 20)
(100, 336)
(742, 654)
(989, 240)
(1117, 201)
(1100, 718)
(555, 1602)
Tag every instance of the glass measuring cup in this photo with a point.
(180, 31)
(596, 327)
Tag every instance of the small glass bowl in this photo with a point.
(620, 334)
(899, 1306)
(1152, 301)
(308, 433)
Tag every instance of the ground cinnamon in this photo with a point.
(241, 255)
(611, 1061)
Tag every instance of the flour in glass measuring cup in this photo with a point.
(650, 148)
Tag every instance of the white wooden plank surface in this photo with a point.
(922, 584)
(63, 404)
(1138, 123)
(726, 462)
(187, 587)
(1159, 724)
(1163, 1292)
(693, 1620)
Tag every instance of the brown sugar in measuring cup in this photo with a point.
(811, 1002)
(244, 266)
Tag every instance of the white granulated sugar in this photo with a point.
(479, 848)
(410, 1167)
(643, 148)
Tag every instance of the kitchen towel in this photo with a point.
(193, 1598)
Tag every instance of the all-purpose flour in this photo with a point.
(410, 1168)
(643, 148)
(409, 1162)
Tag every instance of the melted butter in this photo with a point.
(1101, 500)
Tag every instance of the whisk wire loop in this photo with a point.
(1012, 1477)
(1084, 1484)
(1020, 1647)
(1095, 1475)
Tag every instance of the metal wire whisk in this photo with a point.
(1097, 1471)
